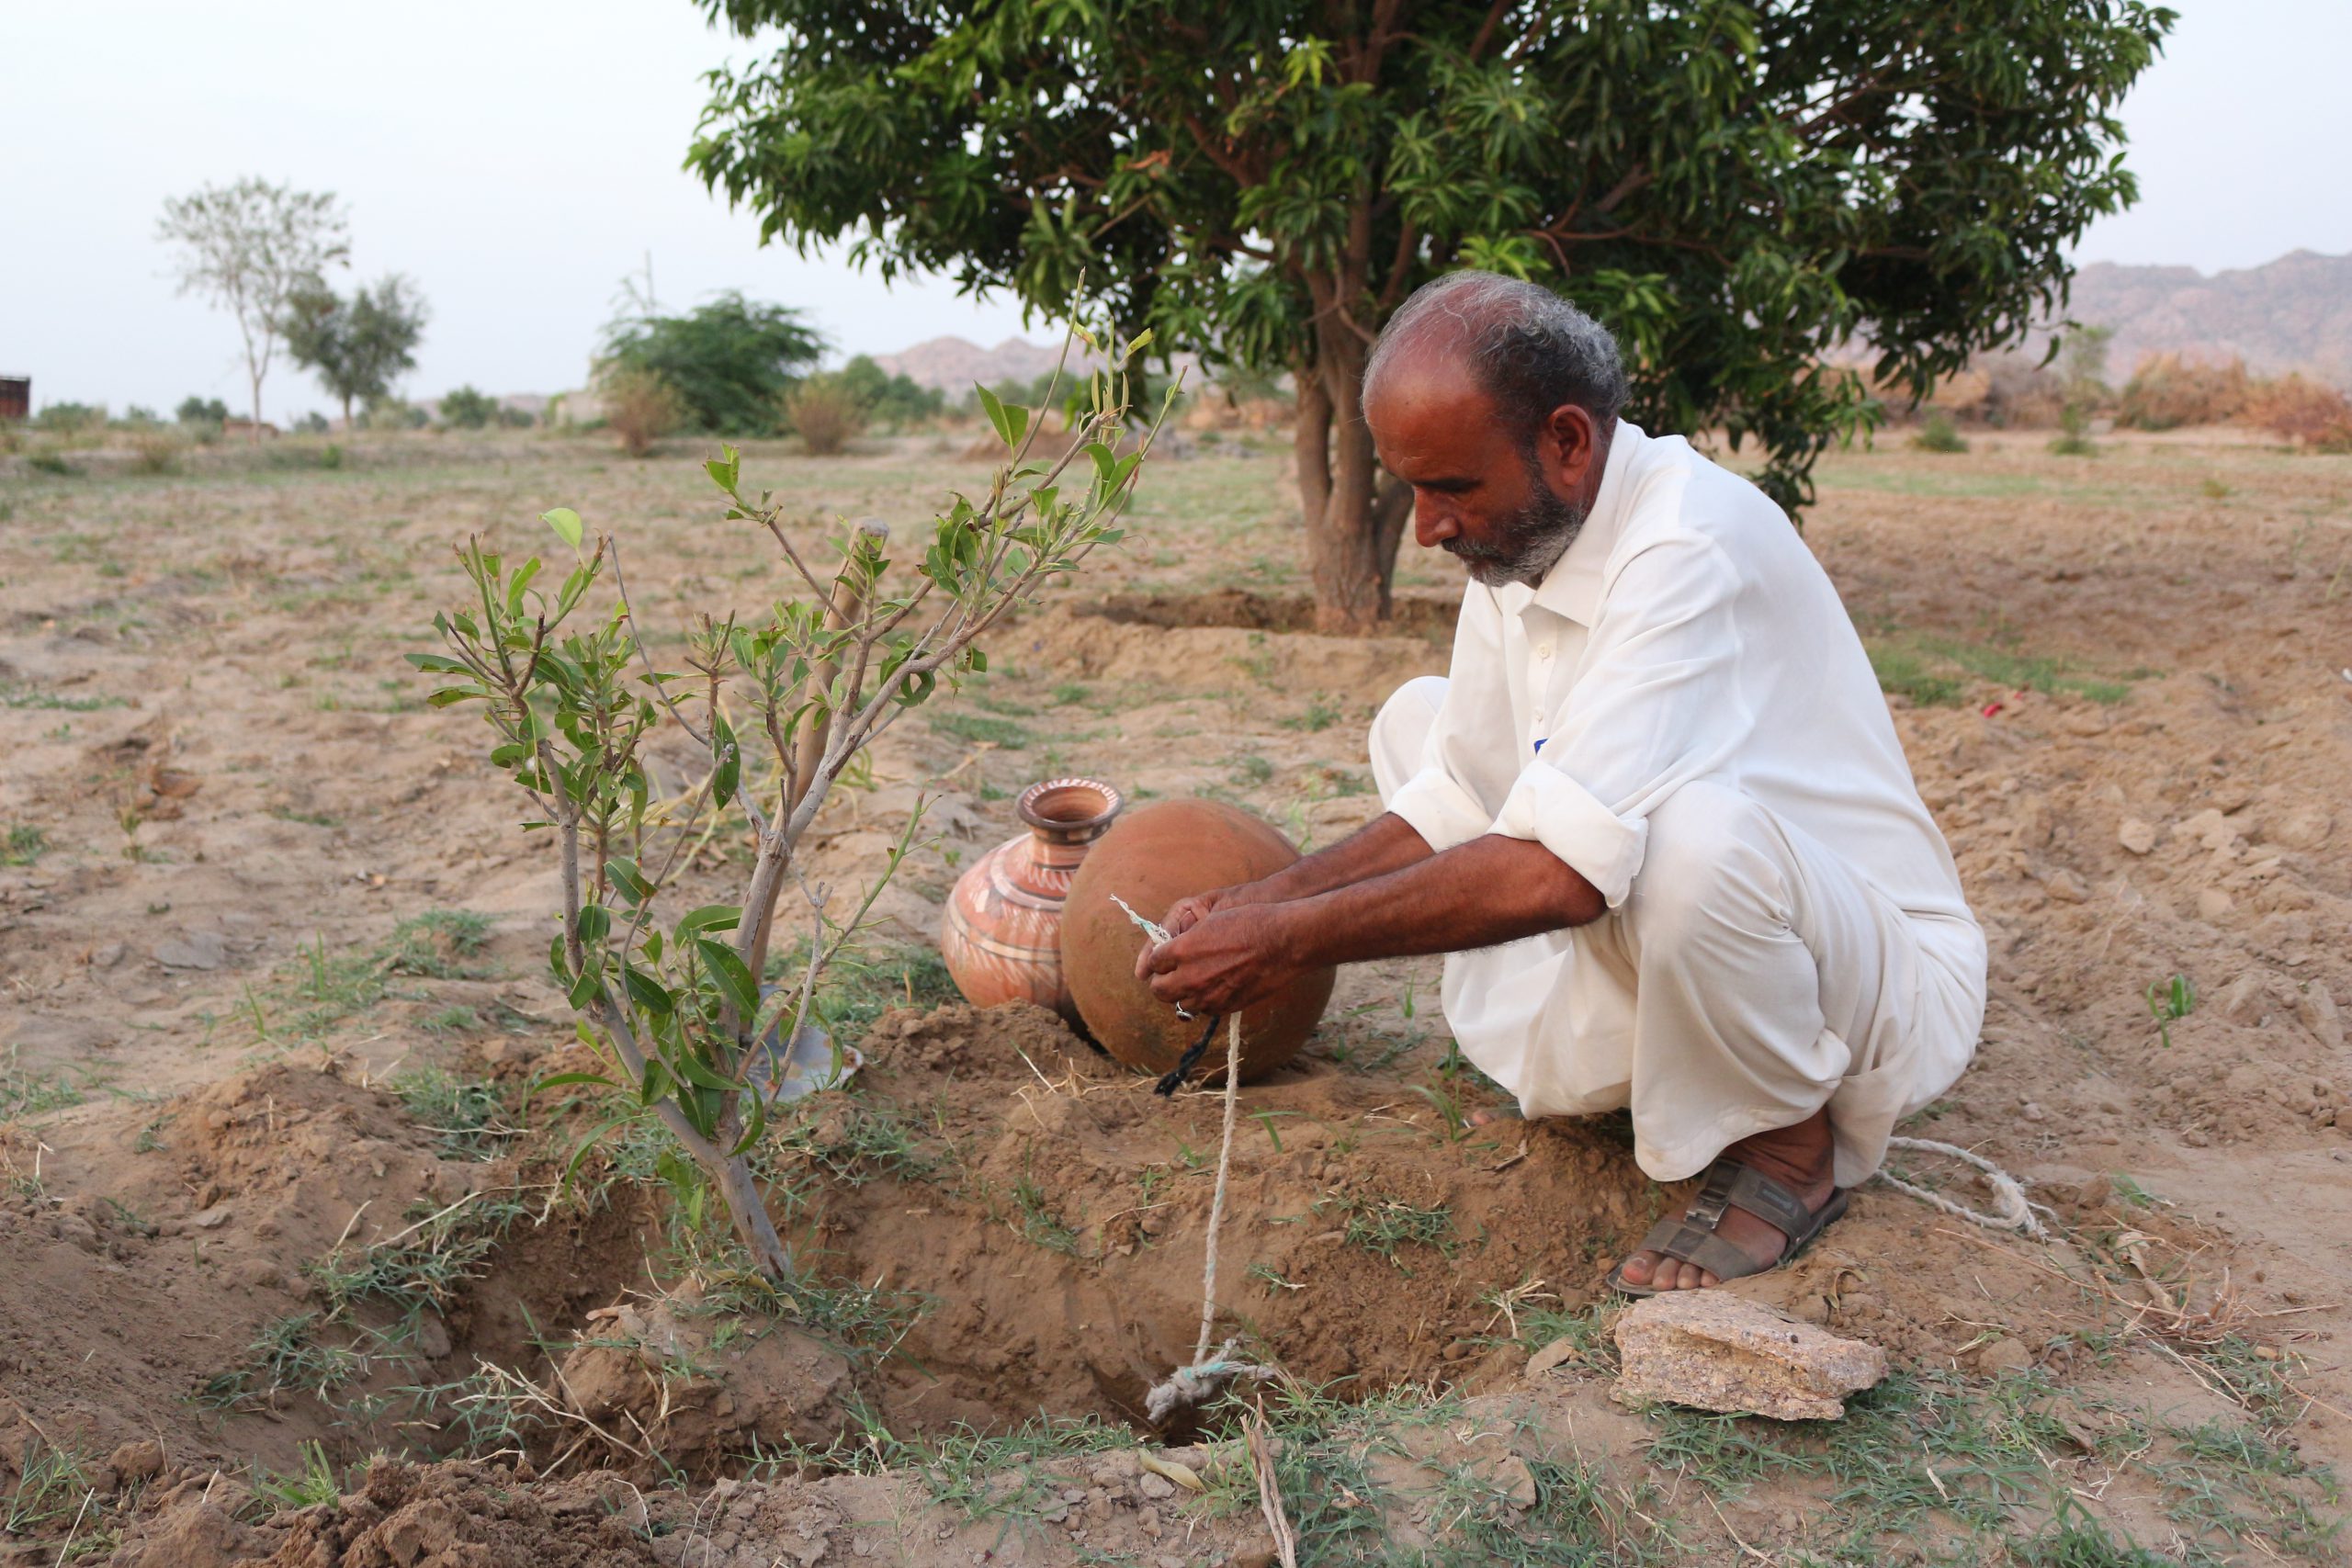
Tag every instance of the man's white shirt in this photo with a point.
(1686, 635)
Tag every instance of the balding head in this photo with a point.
(1524, 346)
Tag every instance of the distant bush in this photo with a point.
(514, 417)
(156, 451)
(727, 363)
(77, 424)
(137, 417)
(467, 408)
(392, 413)
(2020, 393)
(2167, 392)
(205, 416)
(2310, 413)
(311, 424)
(1940, 435)
(640, 407)
(824, 412)
(897, 401)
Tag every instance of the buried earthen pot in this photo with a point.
(1158, 854)
(1001, 935)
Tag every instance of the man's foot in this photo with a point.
(1799, 1158)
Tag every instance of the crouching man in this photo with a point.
(1657, 813)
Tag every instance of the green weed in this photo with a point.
(467, 1114)
(1383, 1225)
(27, 1093)
(982, 729)
(2175, 1000)
(22, 845)
(315, 1484)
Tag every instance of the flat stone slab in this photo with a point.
(1718, 1351)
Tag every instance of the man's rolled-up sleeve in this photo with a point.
(1658, 704)
(1439, 802)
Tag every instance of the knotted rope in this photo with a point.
(1190, 1387)
(2014, 1212)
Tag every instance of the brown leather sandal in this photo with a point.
(1693, 1238)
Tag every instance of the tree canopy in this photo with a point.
(249, 247)
(729, 360)
(1737, 189)
(359, 346)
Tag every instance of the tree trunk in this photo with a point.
(253, 436)
(1354, 516)
(346, 413)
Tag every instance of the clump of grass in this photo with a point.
(27, 1093)
(315, 1484)
(1383, 1225)
(1938, 433)
(23, 845)
(16, 696)
(286, 1356)
(1319, 718)
(323, 988)
(861, 1143)
(423, 1266)
(53, 1486)
(1040, 1222)
(467, 1114)
(981, 729)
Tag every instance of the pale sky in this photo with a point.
(515, 158)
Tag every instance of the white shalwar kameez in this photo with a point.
(1682, 711)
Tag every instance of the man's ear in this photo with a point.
(1571, 431)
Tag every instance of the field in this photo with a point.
(273, 1201)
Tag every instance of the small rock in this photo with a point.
(1156, 1487)
(1515, 1481)
(212, 1219)
(2305, 828)
(2094, 1193)
(195, 949)
(2245, 998)
(2212, 903)
(1718, 1351)
(2066, 887)
(141, 1461)
(2033, 1112)
(2136, 836)
(106, 956)
(2317, 1010)
(432, 1337)
(2004, 1356)
(1553, 1355)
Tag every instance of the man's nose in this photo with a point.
(1433, 521)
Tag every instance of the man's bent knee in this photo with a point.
(1712, 855)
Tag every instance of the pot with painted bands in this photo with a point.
(1001, 935)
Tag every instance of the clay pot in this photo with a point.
(1158, 854)
(1001, 935)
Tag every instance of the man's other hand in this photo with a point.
(1225, 959)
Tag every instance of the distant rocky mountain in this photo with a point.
(954, 363)
(2294, 313)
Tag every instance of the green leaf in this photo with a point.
(647, 992)
(566, 524)
(709, 918)
(593, 923)
(1010, 420)
(734, 979)
(628, 879)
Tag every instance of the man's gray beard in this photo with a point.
(1535, 538)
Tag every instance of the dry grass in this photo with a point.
(2167, 392)
(640, 408)
(2309, 413)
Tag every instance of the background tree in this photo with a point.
(249, 247)
(897, 400)
(467, 408)
(358, 346)
(1737, 188)
(729, 361)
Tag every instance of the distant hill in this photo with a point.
(954, 363)
(2294, 313)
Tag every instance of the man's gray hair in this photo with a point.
(1529, 348)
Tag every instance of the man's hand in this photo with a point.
(1224, 960)
(1186, 913)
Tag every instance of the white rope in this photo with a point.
(1195, 1385)
(2014, 1212)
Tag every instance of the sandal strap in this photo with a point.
(1692, 1237)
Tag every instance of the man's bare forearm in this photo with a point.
(1492, 889)
(1386, 844)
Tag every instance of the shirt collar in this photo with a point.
(1572, 588)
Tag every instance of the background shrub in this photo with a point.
(2167, 392)
(824, 412)
(640, 407)
(467, 408)
(2310, 413)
